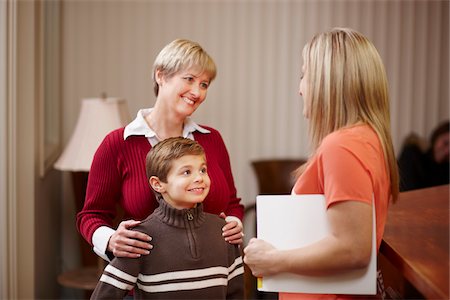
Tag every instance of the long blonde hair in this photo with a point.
(347, 84)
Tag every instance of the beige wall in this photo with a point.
(31, 217)
(3, 150)
(19, 248)
(109, 46)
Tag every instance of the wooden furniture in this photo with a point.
(416, 240)
(83, 278)
(275, 175)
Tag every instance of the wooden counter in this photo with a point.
(416, 240)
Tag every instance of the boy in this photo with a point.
(191, 260)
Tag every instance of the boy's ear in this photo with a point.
(155, 183)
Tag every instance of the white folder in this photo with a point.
(293, 221)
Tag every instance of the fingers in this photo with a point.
(129, 243)
(252, 258)
(235, 239)
(251, 241)
(128, 247)
(124, 231)
(134, 245)
(232, 233)
(233, 225)
(231, 228)
(128, 224)
(137, 235)
(125, 247)
(252, 247)
(127, 252)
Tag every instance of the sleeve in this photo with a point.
(235, 208)
(100, 240)
(345, 171)
(235, 289)
(118, 278)
(103, 191)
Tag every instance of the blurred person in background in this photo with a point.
(421, 166)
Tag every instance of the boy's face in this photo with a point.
(187, 183)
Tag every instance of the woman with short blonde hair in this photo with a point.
(182, 74)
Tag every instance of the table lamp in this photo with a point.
(98, 117)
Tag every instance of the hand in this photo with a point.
(259, 257)
(129, 243)
(232, 231)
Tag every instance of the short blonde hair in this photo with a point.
(159, 159)
(180, 55)
(347, 84)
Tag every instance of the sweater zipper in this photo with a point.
(191, 235)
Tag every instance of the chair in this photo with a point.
(274, 176)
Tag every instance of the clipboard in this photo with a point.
(293, 221)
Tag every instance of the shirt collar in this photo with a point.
(140, 127)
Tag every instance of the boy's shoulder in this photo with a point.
(146, 224)
(212, 218)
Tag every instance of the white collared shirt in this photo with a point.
(140, 127)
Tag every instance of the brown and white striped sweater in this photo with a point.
(189, 260)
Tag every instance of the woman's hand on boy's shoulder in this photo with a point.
(126, 242)
(233, 231)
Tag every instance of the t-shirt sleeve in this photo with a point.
(345, 174)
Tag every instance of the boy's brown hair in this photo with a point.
(159, 159)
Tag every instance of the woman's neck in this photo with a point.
(164, 123)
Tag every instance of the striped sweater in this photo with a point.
(117, 177)
(190, 260)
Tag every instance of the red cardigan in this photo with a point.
(117, 177)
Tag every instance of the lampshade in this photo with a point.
(98, 116)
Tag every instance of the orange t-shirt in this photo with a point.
(349, 165)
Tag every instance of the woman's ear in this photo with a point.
(159, 77)
(155, 183)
